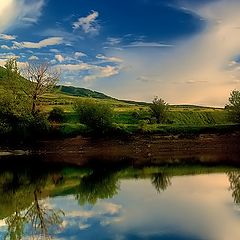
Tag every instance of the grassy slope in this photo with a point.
(180, 115)
(184, 118)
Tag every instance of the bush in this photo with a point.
(141, 115)
(22, 126)
(233, 107)
(56, 115)
(159, 110)
(39, 125)
(143, 127)
(97, 116)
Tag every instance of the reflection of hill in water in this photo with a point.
(90, 183)
(24, 183)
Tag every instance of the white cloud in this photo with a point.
(7, 37)
(109, 59)
(79, 54)
(75, 67)
(113, 41)
(112, 208)
(19, 12)
(8, 55)
(147, 44)
(33, 58)
(102, 72)
(88, 24)
(5, 47)
(53, 50)
(93, 71)
(59, 58)
(44, 43)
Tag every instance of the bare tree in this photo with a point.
(43, 78)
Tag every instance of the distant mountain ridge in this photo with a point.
(80, 92)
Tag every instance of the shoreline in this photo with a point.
(152, 149)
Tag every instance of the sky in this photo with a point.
(184, 51)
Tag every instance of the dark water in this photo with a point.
(39, 200)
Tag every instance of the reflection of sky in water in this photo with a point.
(193, 207)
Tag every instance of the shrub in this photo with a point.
(141, 114)
(39, 125)
(20, 126)
(56, 115)
(97, 116)
(159, 110)
(233, 107)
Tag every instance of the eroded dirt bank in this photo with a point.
(207, 148)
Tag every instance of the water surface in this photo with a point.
(160, 202)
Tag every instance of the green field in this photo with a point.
(182, 118)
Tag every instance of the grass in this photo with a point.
(184, 119)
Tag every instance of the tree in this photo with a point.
(18, 118)
(42, 78)
(158, 109)
(12, 76)
(233, 107)
(97, 116)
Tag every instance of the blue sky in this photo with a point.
(182, 50)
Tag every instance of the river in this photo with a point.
(174, 200)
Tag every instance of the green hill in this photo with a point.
(80, 92)
(69, 90)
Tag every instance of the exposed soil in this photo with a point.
(154, 149)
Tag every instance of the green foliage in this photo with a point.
(39, 124)
(143, 127)
(17, 122)
(97, 116)
(71, 130)
(159, 110)
(98, 185)
(56, 115)
(141, 114)
(233, 107)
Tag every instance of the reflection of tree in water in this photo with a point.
(234, 179)
(98, 185)
(31, 215)
(161, 181)
(38, 218)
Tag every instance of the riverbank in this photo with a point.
(139, 149)
(152, 149)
